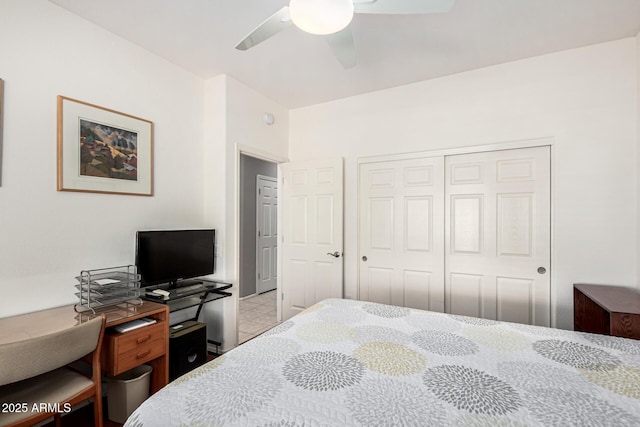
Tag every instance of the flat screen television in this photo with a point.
(170, 256)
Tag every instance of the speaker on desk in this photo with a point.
(187, 347)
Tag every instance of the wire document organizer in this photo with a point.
(105, 287)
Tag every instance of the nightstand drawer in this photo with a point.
(124, 351)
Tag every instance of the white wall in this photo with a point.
(47, 237)
(584, 98)
(215, 137)
(246, 128)
(241, 109)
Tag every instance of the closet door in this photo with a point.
(497, 242)
(401, 243)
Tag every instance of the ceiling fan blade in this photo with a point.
(402, 6)
(270, 27)
(341, 43)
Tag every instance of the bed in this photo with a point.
(345, 362)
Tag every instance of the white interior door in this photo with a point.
(401, 245)
(498, 235)
(267, 233)
(311, 233)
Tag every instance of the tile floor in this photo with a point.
(257, 314)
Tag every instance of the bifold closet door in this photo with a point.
(401, 244)
(498, 233)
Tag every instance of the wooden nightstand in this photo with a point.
(608, 310)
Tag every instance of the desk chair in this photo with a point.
(36, 371)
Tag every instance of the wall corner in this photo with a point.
(637, 52)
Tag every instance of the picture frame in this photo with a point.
(101, 150)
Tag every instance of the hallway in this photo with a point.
(257, 315)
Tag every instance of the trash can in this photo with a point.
(125, 392)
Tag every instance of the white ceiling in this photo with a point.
(297, 69)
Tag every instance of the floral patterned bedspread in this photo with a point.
(344, 363)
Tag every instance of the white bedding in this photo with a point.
(344, 362)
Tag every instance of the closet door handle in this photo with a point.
(335, 254)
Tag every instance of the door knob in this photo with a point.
(542, 270)
(335, 254)
(364, 258)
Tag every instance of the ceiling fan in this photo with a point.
(332, 18)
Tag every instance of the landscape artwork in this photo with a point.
(107, 151)
(101, 150)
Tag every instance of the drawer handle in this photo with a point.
(143, 339)
(143, 354)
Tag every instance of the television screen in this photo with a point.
(167, 256)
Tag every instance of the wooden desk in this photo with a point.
(608, 310)
(120, 351)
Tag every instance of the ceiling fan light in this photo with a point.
(321, 16)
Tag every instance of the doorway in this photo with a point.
(257, 257)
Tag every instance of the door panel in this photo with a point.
(381, 223)
(380, 285)
(324, 219)
(497, 221)
(417, 223)
(466, 224)
(297, 273)
(416, 283)
(515, 299)
(311, 222)
(515, 219)
(401, 247)
(465, 293)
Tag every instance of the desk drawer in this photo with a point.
(130, 349)
(139, 338)
(141, 354)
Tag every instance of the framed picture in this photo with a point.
(102, 150)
